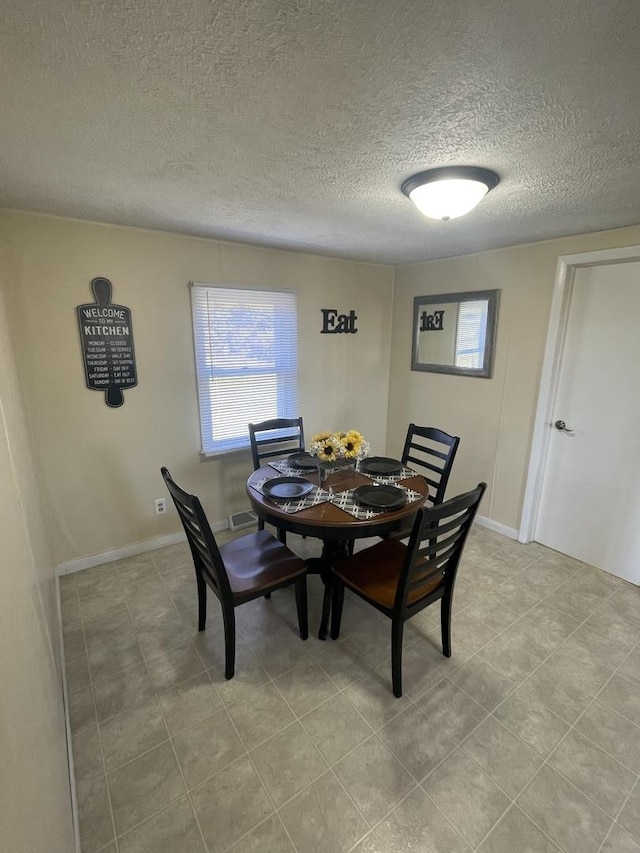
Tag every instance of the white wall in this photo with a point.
(494, 417)
(100, 467)
(35, 808)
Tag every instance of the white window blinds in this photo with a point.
(471, 332)
(246, 351)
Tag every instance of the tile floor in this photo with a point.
(526, 741)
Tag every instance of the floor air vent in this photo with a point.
(242, 519)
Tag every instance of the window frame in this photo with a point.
(284, 354)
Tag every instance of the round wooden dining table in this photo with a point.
(335, 527)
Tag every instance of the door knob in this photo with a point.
(560, 425)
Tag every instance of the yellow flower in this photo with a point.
(352, 443)
(332, 446)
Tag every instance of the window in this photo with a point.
(246, 351)
(471, 333)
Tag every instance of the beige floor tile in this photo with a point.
(566, 698)
(171, 667)
(619, 841)
(416, 742)
(207, 747)
(564, 813)
(87, 755)
(510, 659)
(423, 665)
(623, 696)
(599, 776)
(82, 710)
(374, 777)
(517, 594)
(144, 786)
(630, 669)
(534, 723)
(124, 690)
(614, 733)
(269, 836)
(189, 702)
(171, 830)
(629, 817)
(415, 825)
(287, 762)
(503, 587)
(490, 611)
(451, 709)
(608, 620)
(94, 814)
(230, 804)
(373, 698)
(471, 801)
(323, 819)
(260, 714)
(370, 844)
(131, 733)
(335, 727)
(482, 682)
(588, 644)
(305, 686)
(501, 756)
(515, 832)
(343, 662)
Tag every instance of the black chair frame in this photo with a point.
(211, 572)
(433, 553)
(438, 471)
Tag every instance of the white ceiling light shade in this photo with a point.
(450, 191)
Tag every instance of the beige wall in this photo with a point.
(35, 808)
(101, 467)
(494, 417)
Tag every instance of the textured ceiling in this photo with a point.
(292, 123)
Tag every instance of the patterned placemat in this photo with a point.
(283, 466)
(317, 496)
(345, 501)
(390, 479)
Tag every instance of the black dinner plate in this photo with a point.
(287, 488)
(303, 461)
(380, 497)
(380, 465)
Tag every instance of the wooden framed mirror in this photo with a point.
(455, 333)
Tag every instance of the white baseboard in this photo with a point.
(67, 725)
(131, 550)
(510, 532)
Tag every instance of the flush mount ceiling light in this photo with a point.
(449, 192)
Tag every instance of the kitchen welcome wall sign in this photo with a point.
(106, 338)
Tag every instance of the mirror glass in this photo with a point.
(455, 332)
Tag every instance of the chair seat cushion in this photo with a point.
(374, 573)
(258, 561)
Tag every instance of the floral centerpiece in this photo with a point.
(339, 448)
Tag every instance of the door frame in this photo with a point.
(554, 350)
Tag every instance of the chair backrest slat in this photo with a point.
(435, 547)
(431, 451)
(277, 437)
(204, 548)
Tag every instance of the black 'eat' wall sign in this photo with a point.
(338, 324)
(106, 337)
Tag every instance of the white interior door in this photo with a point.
(590, 498)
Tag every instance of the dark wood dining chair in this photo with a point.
(401, 580)
(274, 439)
(238, 571)
(431, 452)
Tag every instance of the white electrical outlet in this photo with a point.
(160, 506)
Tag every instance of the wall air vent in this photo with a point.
(246, 518)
